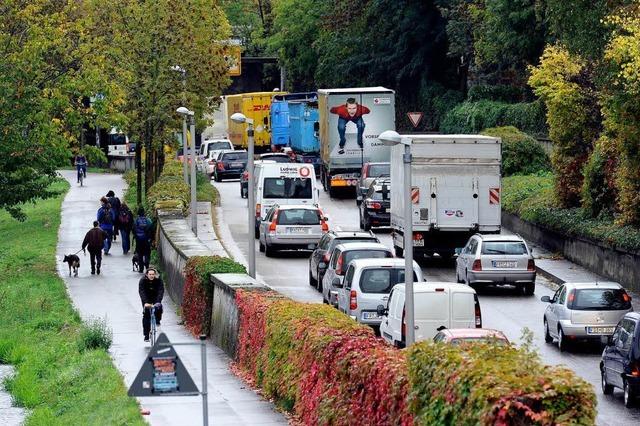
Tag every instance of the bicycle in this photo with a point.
(81, 174)
(152, 333)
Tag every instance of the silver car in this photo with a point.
(584, 311)
(340, 258)
(497, 259)
(367, 284)
(291, 227)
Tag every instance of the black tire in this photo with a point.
(261, 247)
(256, 232)
(366, 225)
(217, 178)
(458, 280)
(318, 281)
(547, 335)
(399, 252)
(360, 222)
(563, 343)
(629, 395)
(268, 250)
(312, 281)
(529, 289)
(323, 179)
(607, 389)
(332, 192)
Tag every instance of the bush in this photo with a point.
(198, 291)
(472, 117)
(172, 168)
(599, 192)
(95, 334)
(500, 93)
(170, 188)
(521, 154)
(95, 156)
(327, 369)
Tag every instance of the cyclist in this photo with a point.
(151, 290)
(81, 165)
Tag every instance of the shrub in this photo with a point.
(198, 291)
(521, 154)
(493, 384)
(599, 192)
(500, 93)
(172, 168)
(327, 369)
(95, 156)
(169, 188)
(472, 117)
(95, 334)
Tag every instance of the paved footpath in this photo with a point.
(114, 296)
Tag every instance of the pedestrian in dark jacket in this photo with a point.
(115, 204)
(125, 223)
(151, 290)
(106, 218)
(94, 241)
(141, 231)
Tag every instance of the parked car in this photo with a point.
(230, 164)
(367, 284)
(292, 227)
(208, 163)
(437, 305)
(497, 259)
(340, 257)
(369, 173)
(584, 311)
(320, 257)
(278, 157)
(620, 365)
(456, 336)
(209, 150)
(374, 210)
(244, 177)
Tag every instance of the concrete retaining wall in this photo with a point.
(224, 317)
(616, 265)
(176, 243)
(122, 163)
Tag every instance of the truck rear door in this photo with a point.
(455, 205)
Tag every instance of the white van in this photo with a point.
(436, 305)
(208, 152)
(282, 184)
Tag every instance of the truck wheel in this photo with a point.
(399, 251)
(323, 179)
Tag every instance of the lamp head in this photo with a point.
(184, 111)
(390, 138)
(238, 117)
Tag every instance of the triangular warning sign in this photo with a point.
(163, 373)
(415, 118)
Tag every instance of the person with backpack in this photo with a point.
(125, 224)
(106, 217)
(141, 232)
(115, 204)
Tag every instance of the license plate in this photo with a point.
(600, 330)
(236, 165)
(418, 243)
(503, 264)
(370, 315)
(298, 230)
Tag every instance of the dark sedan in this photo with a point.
(375, 206)
(230, 164)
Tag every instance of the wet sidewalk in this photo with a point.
(114, 295)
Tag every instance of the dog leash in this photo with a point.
(78, 251)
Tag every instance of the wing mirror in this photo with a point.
(546, 299)
(458, 251)
(382, 311)
(337, 283)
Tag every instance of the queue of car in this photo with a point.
(362, 278)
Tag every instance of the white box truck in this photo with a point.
(350, 121)
(455, 191)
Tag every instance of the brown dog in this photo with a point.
(74, 263)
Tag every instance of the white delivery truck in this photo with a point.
(350, 121)
(282, 184)
(455, 191)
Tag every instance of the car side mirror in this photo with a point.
(322, 265)
(458, 251)
(546, 299)
(337, 283)
(325, 218)
(381, 310)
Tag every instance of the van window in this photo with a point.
(295, 188)
(504, 247)
(334, 258)
(381, 280)
(626, 336)
(463, 306)
(218, 145)
(349, 277)
(378, 170)
(364, 254)
(299, 217)
(397, 305)
(432, 306)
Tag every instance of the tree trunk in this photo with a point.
(139, 174)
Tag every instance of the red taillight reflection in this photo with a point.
(220, 165)
(531, 265)
(353, 300)
(374, 205)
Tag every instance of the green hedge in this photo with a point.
(532, 199)
(169, 188)
(521, 154)
(500, 93)
(472, 117)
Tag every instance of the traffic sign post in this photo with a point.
(164, 374)
(415, 118)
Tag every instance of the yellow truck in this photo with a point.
(256, 105)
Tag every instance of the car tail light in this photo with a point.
(403, 328)
(635, 369)
(272, 228)
(531, 265)
(325, 259)
(365, 171)
(626, 297)
(220, 165)
(353, 300)
(339, 265)
(258, 210)
(417, 237)
(373, 205)
(478, 312)
(477, 265)
(325, 226)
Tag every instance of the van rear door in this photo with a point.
(463, 310)
(431, 312)
(456, 201)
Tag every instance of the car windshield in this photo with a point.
(596, 299)
(380, 196)
(364, 254)
(341, 240)
(382, 280)
(504, 247)
(218, 145)
(299, 217)
(277, 158)
(296, 188)
(234, 156)
(378, 170)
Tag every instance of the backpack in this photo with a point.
(115, 203)
(105, 218)
(141, 227)
(124, 217)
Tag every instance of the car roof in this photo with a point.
(633, 315)
(593, 284)
(378, 163)
(472, 332)
(361, 245)
(499, 237)
(382, 263)
(347, 233)
(274, 154)
(427, 287)
(217, 140)
(296, 206)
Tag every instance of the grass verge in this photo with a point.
(40, 332)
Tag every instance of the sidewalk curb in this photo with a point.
(551, 277)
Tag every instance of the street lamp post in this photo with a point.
(183, 73)
(391, 138)
(241, 118)
(194, 203)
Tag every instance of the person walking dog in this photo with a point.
(94, 241)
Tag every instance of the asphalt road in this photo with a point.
(502, 308)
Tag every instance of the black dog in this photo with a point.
(135, 262)
(74, 262)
